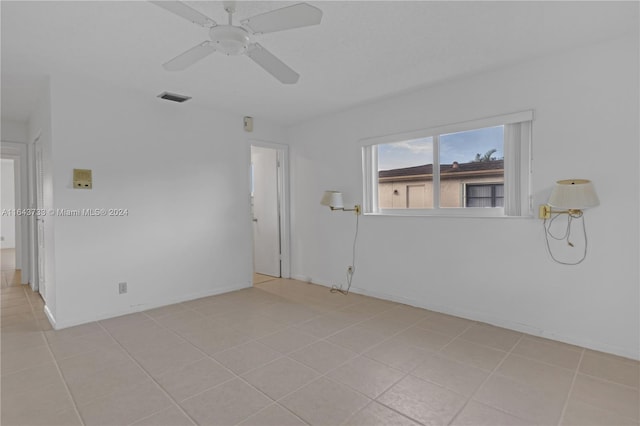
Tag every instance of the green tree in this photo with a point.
(486, 157)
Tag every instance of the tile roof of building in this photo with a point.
(427, 169)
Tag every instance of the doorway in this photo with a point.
(269, 212)
(11, 274)
(14, 242)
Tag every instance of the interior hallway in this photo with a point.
(10, 275)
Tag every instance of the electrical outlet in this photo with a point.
(122, 288)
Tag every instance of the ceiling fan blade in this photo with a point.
(190, 57)
(272, 65)
(286, 18)
(186, 12)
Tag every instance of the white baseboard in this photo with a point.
(143, 307)
(498, 322)
(302, 278)
(50, 317)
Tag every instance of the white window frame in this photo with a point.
(517, 172)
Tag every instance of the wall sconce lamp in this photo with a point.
(333, 199)
(570, 197)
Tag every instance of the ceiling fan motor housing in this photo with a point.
(230, 40)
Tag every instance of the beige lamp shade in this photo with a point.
(574, 194)
(332, 199)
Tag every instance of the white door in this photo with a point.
(39, 181)
(266, 218)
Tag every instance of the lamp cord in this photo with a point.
(336, 289)
(566, 236)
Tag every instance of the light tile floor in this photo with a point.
(9, 275)
(291, 353)
(261, 278)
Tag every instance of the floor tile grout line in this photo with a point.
(326, 375)
(568, 396)
(338, 310)
(149, 377)
(243, 380)
(234, 377)
(408, 373)
(456, 337)
(251, 340)
(333, 310)
(55, 362)
(256, 339)
(375, 401)
(284, 407)
(362, 353)
(323, 376)
(612, 357)
(371, 400)
(531, 358)
(281, 406)
(546, 363)
(325, 339)
(284, 355)
(611, 382)
(404, 374)
(487, 345)
(96, 398)
(335, 367)
(486, 379)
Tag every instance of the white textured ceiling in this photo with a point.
(361, 51)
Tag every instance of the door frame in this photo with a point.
(38, 257)
(17, 151)
(282, 154)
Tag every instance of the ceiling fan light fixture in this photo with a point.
(234, 40)
(229, 39)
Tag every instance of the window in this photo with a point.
(478, 168)
(484, 195)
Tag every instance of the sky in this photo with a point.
(461, 147)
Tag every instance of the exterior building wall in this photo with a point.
(418, 193)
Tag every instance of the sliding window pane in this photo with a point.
(405, 174)
(468, 158)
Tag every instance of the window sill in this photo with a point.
(473, 213)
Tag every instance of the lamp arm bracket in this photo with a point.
(357, 209)
(545, 211)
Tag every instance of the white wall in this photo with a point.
(8, 201)
(493, 270)
(13, 131)
(183, 175)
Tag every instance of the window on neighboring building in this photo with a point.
(484, 195)
(478, 168)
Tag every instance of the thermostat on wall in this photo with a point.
(82, 179)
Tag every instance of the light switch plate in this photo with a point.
(248, 124)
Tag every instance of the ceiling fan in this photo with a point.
(239, 39)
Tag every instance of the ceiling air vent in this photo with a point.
(173, 97)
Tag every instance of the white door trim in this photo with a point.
(284, 203)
